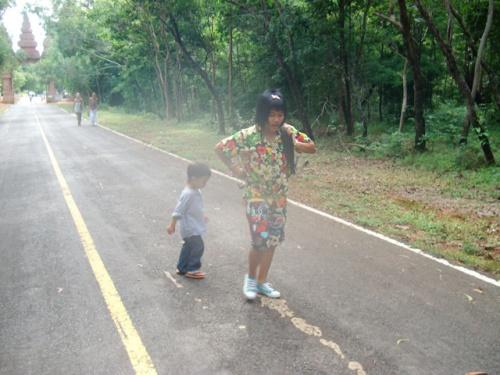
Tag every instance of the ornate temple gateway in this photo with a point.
(27, 42)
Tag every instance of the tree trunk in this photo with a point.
(346, 80)
(449, 26)
(413, 55)
(296, 93)
(481, 132)
(161, 72)
(177, 89)
(462, 85)
(166, 63)
(230, 76)
(470, 42)
(380, 90)
(405, 96)
(340, 101)
(293, 81)
(203, 74)
(99, 94)
(161, 75)
(213, 71)
(380, 101)
(358, 67)
(477, 67)
(364, 109)
(166, 86)
(359, 52)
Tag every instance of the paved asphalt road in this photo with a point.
(352, 303)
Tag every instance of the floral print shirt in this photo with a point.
(264, 163)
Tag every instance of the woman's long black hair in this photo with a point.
(267, 101)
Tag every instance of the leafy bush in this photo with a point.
(490, 116)
(471, 249)
(396, 145)
(469, 157)
(445, 123)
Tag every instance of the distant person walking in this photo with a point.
(78, 108)
(263, 156)
(93, 104)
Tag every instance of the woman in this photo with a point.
(93, 103)
(78, 108)
(263, 156)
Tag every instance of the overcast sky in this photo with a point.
(13, 20)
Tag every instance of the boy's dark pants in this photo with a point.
(191, 253)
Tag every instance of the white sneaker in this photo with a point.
(266, 290)
(250, 288)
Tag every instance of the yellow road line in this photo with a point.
(137, 353)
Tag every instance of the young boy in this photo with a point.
(189, 211)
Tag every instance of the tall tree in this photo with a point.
(346, 98)
(405, 95)
(173, 27)
(277, 35)
(459, 78)
(414, 55)
(479, 63)
(230, 109)
(159, 41)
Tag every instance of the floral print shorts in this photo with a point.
(267, 224)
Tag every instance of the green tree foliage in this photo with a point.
(340, 63)
(7, 57)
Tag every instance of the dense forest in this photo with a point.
(423, 68)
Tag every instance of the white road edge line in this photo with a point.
(467, 271)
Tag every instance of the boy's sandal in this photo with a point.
(179, 272)
(195, 275)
